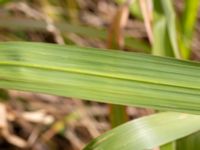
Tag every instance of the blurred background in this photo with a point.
(45, 122)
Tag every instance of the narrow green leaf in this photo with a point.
(107, 76)
(161, 45)
(187, 24)
(30, 24)
(118, 115)
(189, 17)
(169, 146)
(171, 20)
(148, 132)
(189, 143)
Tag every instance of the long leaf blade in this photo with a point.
(171, 19)
(189, 143)
(107, 76)
(64, 27)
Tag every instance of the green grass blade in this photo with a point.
(118, 115)
(188, 22)
(101, 75)
(189, 17)
(168, 146)
(162, 44)
(171, 20)
(147, 132)
(189, 143)
(30, 24)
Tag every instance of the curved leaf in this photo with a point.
(148, 132)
